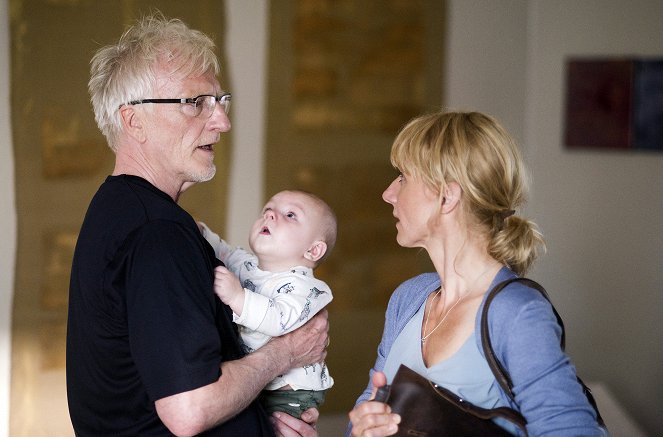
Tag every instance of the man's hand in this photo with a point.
(229, 289)
(287, 426)
(307, 344)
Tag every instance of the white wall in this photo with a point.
(486, 48)
(7, 221)
(601, 211)
(247, 67)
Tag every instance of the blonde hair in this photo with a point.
(125, 71)
(473, 150)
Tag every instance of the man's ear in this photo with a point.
(316, 251)
(132, 123)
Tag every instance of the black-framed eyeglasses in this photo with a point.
(200, 106)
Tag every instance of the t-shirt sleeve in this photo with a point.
(171, 310)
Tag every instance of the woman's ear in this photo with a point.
(316, 251)
(451, 196)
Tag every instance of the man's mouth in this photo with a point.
(207, 147)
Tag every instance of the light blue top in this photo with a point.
(465, 373)
(525, 336)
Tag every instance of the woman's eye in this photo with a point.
(400, 177)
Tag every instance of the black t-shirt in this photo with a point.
(144, 322)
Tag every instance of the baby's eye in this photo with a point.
(291, 215)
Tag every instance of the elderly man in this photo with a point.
(150, 349)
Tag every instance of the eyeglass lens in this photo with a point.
(205, 104)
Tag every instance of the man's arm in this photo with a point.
(192, 412)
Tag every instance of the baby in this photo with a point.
(272, 291)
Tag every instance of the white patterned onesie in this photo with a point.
(275, 304)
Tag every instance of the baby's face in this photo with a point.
(288, 226)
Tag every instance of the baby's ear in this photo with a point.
(316, 251)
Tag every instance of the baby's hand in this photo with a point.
(229, 289)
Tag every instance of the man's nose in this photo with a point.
(219, 119)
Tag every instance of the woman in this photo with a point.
(461, 181)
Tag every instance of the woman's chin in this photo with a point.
(402, 242)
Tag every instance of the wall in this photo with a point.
(7, 222)
(246, 52)
(486, 60)
(600, 211)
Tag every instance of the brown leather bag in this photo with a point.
(428, 410)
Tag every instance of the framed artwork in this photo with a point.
(648, 97)
(614, 104)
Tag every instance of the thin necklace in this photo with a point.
(423, 339)
(439, 291)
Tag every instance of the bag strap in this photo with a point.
(507, 413)
(501, 375)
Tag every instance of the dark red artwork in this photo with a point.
(614, 104)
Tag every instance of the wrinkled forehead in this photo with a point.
(184, 61)
(167, 79)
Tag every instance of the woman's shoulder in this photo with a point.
(518, 305)
(421, 284)
(410, 294)
(515, 296)
(422, 280)
(518, 291)
(516, 299)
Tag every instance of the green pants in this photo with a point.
(292, 402)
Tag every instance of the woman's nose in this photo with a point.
(389, 195)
